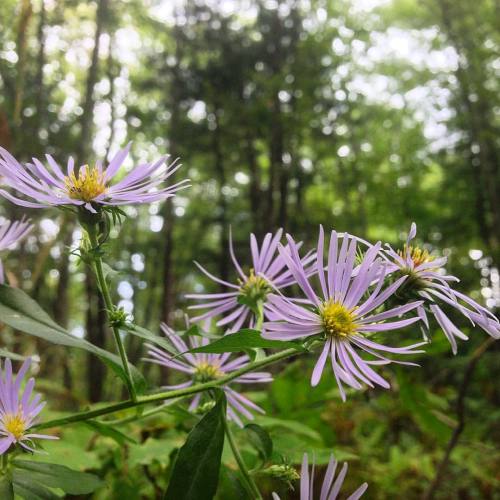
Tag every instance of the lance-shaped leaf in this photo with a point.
(22, 313)
(196, 469)
(32, 477)
(244, 340)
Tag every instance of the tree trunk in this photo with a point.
(40, 101)
(168, 212)
(96, 334)
(85, 144)
(22, 39)
(220, 170)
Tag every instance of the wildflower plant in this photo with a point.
(334, 302)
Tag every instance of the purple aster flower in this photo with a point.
(331, 486)
(18, 409)
(427, 277)
(268, 273)
(10, 234)
(41, 186)
(344, 315)
(206, 367)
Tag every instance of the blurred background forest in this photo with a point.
(362, 115)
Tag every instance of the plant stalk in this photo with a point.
(248, 480)
(103, 285)
(164, 396)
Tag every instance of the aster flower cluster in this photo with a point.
(361, 290)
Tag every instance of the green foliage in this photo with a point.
(196, 469)
(22, 313)
(244, 340)
(38, 480)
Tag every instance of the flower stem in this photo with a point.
(163, 396)
(248, 480)
(259, 317)
(103, 285)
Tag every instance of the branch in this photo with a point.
(163, 396)
(460, 410)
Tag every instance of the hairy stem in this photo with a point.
(248, 480)
(164, 396)
(259, 318)
(103, 285)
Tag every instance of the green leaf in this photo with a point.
(111, 432)
(55, 476)
(196, 470)
(6, 487)
(243, 340)
(261, 440)
(29, 490)
(22, 313)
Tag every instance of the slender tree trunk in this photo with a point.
(96, 334)
(61, 305)
(254, 186)
(40, 87)
(22, 39)
(95, 316)
(168, 212)
(221, 177)
(111, 94)
(277, 176)
(88, 104)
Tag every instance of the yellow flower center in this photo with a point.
(338, 321)
(86, 185)
(255, 288)
(15, 425)
(416, 254)
(206, 372)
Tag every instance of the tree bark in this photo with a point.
(220, 170)
(168, 212)
(96, 334)
(40, 88)
(22, 39)
(85, 143)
